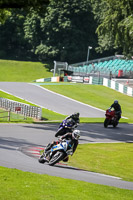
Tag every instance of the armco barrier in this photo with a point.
(24, 109)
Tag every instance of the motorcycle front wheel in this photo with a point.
(106, 123)
(41, 159)
(58, 156)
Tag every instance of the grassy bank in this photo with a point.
(114, 159)
(21, 185)
(20, 71)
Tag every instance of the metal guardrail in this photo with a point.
(94, 61)
(24, 109)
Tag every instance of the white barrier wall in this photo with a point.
(55, 79)
(121, 88)
(90, 79)
(105, 82)
(113, 85)
(129, 91)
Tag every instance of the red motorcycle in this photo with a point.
(111, 118)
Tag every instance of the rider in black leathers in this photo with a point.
(117, 109)
(73, 121)
(74, 117)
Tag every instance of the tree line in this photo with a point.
(63, 29)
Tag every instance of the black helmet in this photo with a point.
(76, 115)
(115, 102)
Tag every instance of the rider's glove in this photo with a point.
(60, 139)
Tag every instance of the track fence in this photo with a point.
(21, 108)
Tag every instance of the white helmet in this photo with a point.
(76, 134)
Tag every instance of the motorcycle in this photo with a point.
(111, 118)
(58, 152)
(67, 125)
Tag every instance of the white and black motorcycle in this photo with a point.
(57, 153)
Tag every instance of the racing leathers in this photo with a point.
(117, 109)
(74, 118)
(68, 125)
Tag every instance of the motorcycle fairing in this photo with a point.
(61, 146)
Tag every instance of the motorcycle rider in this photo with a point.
(117, 109)
(74, 117)
(73, 121)
(73, 137)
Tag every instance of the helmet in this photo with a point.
(115, 102)
(76, 134)
(76, 115)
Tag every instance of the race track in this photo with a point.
(50, 100)
(19, 144)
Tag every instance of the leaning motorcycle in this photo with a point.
(59, 152)
(66, 126)
(111, 118)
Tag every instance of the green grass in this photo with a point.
(20, 71)
(114, 159)
(14, 117)
(97, 96)
(21, 185)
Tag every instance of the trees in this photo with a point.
(22, 3)
(115, 29)
(63, 29)
(5, 6)
(13, 45)
(68, 29)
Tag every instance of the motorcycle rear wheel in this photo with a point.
(58, 156)
(115, 124)
(60, 132)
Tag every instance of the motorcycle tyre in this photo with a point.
(106, 123)
(115, 124)
(62, 132)
(41, 160)
(58, 156)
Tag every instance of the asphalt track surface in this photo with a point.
(20, 145)
(50, 100)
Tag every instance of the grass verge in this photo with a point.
(21, 71)
(21, 185)
(114, 159)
